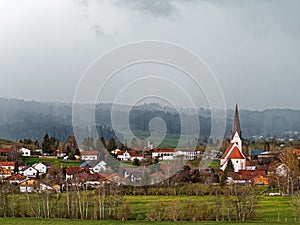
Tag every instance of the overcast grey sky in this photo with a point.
(252, 46)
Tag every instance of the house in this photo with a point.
(251, 165)
(7, 165)
(134, 174)
(297, 152)
(60, 153)
(187, 154)
(27, 185)
(40, 167)
(261, 180)
(164, 154)
(234, 150)
(267, 157)
(97, 166)
(29, 172)
(157, 177)
(72, 172)
(4, 173)
(255, 152)
(16, 178)
(89, 155)
(45, 187)
(94, 180)
(56, 187)
(25, 152)
(4, 152)
(129, 155)
(250, 177)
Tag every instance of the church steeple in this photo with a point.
(236, 127)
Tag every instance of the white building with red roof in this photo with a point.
(89, 155)
(129, 155)
(164, 154)
(234, 150)
(7, 165)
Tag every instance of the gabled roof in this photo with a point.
(27, 168)
(34, 165)
(132, 153)
(89, 153)
(227, 150)
(7, 163)
(4, 171)
(96, 162)
(236, 154)
(247, 174)
(4, 150)
(76, 170)
(16, 177)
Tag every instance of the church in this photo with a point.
(234, 151)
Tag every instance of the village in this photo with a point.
(150, 166)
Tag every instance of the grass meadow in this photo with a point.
(272, 210)
(30, 160)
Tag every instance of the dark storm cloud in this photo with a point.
(252, 45)
(156, 8)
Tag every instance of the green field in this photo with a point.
(170, 140)
(56, 162)
(273, 210)
(29, 221)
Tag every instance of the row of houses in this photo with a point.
(161, 154)
(25, 178)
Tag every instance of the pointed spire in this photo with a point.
(236, 127)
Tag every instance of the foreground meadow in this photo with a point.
(29, 221)
(272, 210)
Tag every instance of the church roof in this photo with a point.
(236, 154)
(227, 151)
(236, 127)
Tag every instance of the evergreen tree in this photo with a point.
(46, 144)
(224, 176)
(136, 162)
(229, 167)
(111, 145)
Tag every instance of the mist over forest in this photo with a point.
(21, 119)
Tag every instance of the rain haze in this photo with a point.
(253, 47)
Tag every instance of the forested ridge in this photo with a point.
(21, 119)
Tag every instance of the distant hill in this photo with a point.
(21, 119)
(6, 142)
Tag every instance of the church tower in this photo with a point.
(234, 150)
(236, 127)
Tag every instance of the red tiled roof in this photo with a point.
(16, 177)
(7, 163)
(5, 171)
(250, 174)
(76, 170)
(247, 174)
(120, 152)
(131, 152)
(164, 150)
(89, 153)
(227, 151)
(296, 151)
(236, 154)
(4, 150)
